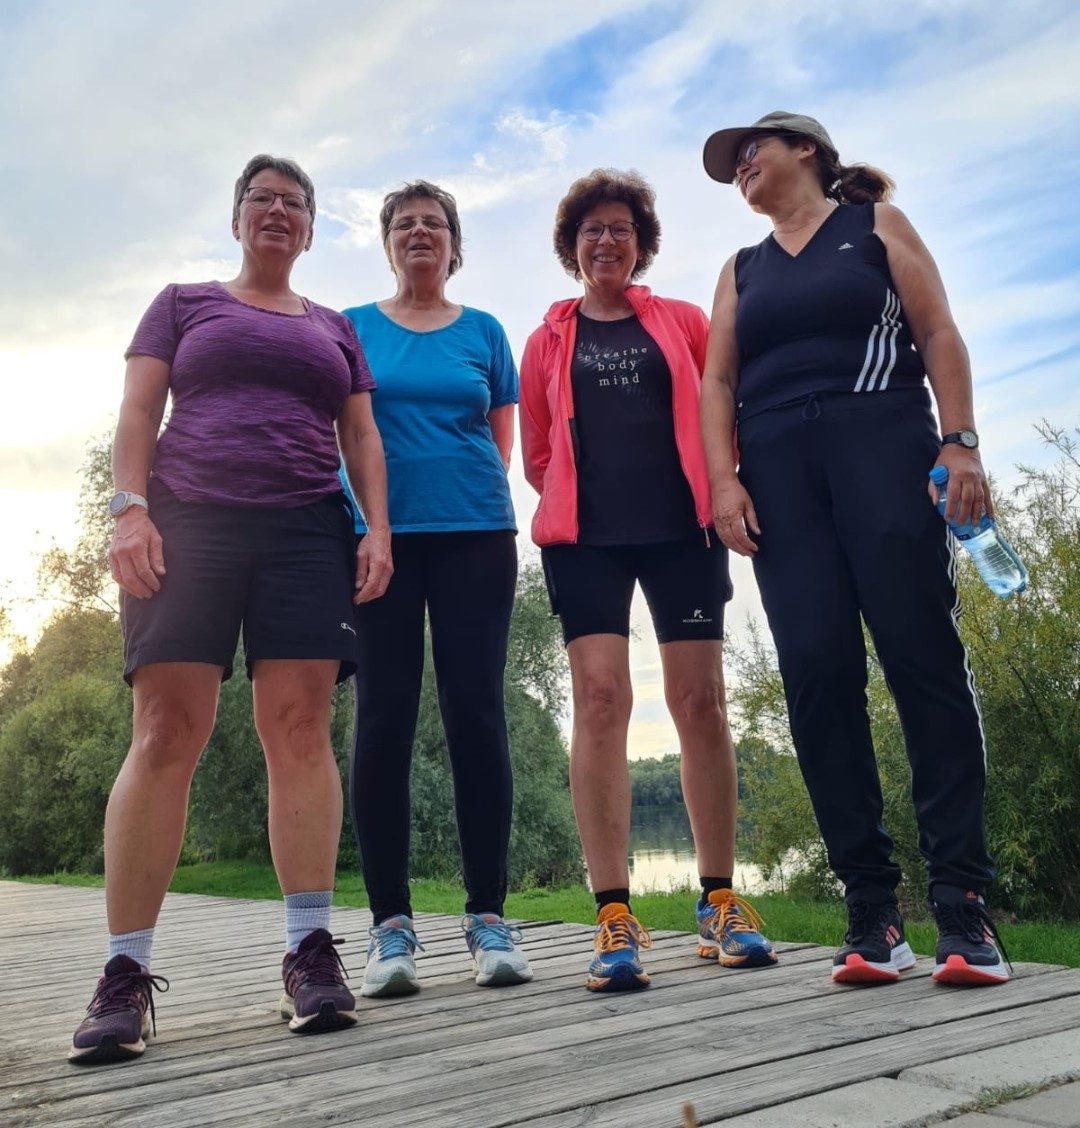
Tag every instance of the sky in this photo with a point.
(123, 128)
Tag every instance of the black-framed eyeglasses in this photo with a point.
(622, 231)
(263, 198)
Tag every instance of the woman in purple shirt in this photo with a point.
(234, 519)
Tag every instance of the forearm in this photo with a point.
(949, 370)
(718, 430)
(365, 467)
(133, 447)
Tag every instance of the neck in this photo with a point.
(604, 304)
(426, 292)
(259, 277)
(799, 209)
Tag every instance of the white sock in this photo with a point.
(137, 945)
(304, 913)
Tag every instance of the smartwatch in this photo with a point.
(965, 438)
(122, 501)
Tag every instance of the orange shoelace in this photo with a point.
(620, 932)
(743, 916)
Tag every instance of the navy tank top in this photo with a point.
(825, 320)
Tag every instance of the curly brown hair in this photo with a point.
(604, 185)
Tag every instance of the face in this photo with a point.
(419, 239)
(766, 162)
(276, 230)
(607, 263)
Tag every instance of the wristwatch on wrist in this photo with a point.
(122, 501)
(965, 438)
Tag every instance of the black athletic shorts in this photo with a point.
(685, 583)
(284, 575)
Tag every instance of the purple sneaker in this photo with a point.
(120, 1015)
(316, 998)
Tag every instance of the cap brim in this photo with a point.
(722, 150)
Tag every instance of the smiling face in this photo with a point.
(768, 165)
(418, 241)
(277, 230)
(606, 264)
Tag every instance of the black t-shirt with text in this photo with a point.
(631, 487)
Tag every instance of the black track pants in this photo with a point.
(847, 530)
(466, 582)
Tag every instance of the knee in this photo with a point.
(167, 737)
(294, 733)
(602, 701)
(697, 706)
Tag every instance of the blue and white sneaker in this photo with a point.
(729, 931)
(618, 936)
(494, 947)
(391, 968)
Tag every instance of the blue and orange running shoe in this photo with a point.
(618, 936)
(730, 932)
(969, 950)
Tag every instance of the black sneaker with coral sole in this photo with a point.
(969, 951)
(874, 949)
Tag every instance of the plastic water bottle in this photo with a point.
(994, 557)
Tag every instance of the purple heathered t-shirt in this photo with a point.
(254, 396)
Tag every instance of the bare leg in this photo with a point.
(599, 778)
(292, 716)
(694, 689)
(173, 717)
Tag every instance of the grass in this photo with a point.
(1053, 942)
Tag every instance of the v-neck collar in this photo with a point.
(806, 246)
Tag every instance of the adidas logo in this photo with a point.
(845, 247)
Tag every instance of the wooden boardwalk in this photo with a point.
(546, 1054)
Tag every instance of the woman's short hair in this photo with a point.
(424, 190)
(263, 161)
(847, 184)
(601, 186)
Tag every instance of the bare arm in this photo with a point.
(365, 467)
(733, 511)
(501, 420)
(922, 296)
(136, 557)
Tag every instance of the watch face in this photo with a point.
(117, 503)
(969, 439)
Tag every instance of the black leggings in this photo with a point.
(466, 581)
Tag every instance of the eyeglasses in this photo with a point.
(263, 198)
(427, 222)
(751, 150)
(621, 232)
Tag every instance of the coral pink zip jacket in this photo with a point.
(547, 406)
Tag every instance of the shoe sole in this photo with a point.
(623, 980)
(755, 958)
(108, 1049)
(327, 1018)
(395, 985)
(856, 969)
(957, 972)
(505, 976)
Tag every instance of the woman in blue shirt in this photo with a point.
(445, 409)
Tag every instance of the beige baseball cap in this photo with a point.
(722, 148)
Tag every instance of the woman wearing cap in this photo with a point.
(445, 408)
(233, 519)
(609, 416)
(822, 338)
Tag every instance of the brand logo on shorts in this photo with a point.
(697, 617)
(346, 627)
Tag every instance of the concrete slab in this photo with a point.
(984, 1120)
(881, 1103)
(1055, 1108)
(1036, 1061)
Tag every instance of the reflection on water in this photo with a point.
(662, 854)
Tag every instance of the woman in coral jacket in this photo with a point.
(610, 384)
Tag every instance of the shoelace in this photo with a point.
(493, 936)
(391, 942)
(320, 965)
(621, 932)
(737, 915)
(116, 992)
(864, 918)
(973, 922)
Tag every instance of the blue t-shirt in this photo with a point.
(435, 391)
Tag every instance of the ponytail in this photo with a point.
(861, 184)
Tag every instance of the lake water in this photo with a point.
(662, 854)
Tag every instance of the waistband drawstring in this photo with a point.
(811, 409)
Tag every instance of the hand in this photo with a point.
(136, 559)
(374, 566)
(967, 492)
(734, 516)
